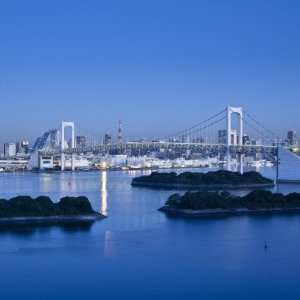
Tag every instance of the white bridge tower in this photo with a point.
(231, 139)
(65, 125)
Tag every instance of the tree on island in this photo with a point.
(220, 177)
(258, 199)
(43, 206)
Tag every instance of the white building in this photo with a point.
(10, 149)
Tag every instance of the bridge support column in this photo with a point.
(64, 125)
(241, 163)
(73, 162)
(231, 140)
(228, 160)
(62, 162)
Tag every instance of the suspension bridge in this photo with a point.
(231, 134)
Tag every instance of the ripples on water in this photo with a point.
(138, 252)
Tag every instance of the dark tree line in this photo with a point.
(23, 206)
(196, 178)
(254, 200)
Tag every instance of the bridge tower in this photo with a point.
(231, 140)
(65, 125)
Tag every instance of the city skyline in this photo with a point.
(157, 67)
(150, 149)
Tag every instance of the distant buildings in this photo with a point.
(199, 140)
(292, 138)
(222, 137)
(10, 149)
(120, 133)
(81, 141)
(107, 139)
(246, 140)
(235, 138)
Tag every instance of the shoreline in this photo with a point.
(99, 169)
(52, 219)
(218, 212)
(176, 186)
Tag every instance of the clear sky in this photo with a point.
(159, 66)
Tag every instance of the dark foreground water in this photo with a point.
(139, 253)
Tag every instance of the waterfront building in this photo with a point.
(46, 162)
(13, 164)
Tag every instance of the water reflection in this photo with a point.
(25, 230)
(108, 244)
(104, 207)
(68, 182)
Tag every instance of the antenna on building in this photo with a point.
(120, 133)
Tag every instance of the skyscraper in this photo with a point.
(10, 149)
(292, 138)
(120, 133)
(222, 136)
(107, 139)
(246, 139)
(81, 141)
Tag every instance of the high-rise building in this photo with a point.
(107, 139)
(292, 138)
(81, 141)
(10, 149)
(246, 139)
(120, 133)
(222, 136)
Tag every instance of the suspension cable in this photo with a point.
(180, 133)
(261, 134)
(260, 125)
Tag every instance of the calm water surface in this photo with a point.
(139, 253)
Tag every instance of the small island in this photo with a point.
(205, 204)
(211, 180)
(43, 209)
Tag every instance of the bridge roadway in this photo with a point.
(140, 148)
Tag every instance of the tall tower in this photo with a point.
(120, 133)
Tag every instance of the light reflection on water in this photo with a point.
(104, 208)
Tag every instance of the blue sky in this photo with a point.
(159, 66)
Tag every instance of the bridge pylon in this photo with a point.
(65, 125)
(234, 138)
